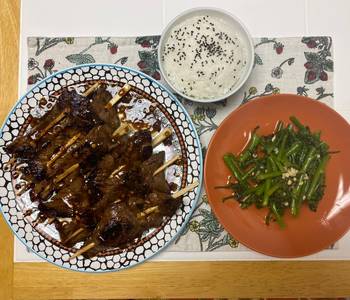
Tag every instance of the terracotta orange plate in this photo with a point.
(310, 232)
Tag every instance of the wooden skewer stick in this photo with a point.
(122, 129)
(117, 170)
(10, 163)
(147, 211)
(50, 125)
(164, 134)
(61, 176)
(62, 150)
(167, 164)
(122, 92)
(91, 89)
(156, 141)
(82, 250)
(70, 170)
(36, 222)
(75, 233)
(22, 190)
(185, 190)
(50, 220)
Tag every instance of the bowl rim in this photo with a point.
(250, 50)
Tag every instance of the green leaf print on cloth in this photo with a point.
(80, 58)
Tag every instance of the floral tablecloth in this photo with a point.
(298, 65)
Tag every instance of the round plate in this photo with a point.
(310, 232)
(44, 238)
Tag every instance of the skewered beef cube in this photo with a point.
(157, 182)
(78, 106)
(99, 138)
(117, 227)
(57, 206)
(22, 147)
(166, 204)
(140, 146)
(112, 191)
(34, 170)
(67, 229)
(104, 169)
(136, 203)
(99, 100)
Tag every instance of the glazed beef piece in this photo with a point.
(117, 227)
(140, 146)
(68, 229)
(86, 151)
(104, 169)
(112, 190)
(35, 170)
(57, 207)
(78, 108)
(70, 198)
(157, 182)
(152, 164)
(99, 100)
(167, 206)
(51, 144)
(99, 139)
(22, 147)
(80, 113)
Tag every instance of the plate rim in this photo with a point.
(172, 97)
(225, 120)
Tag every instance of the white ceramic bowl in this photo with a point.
(240, 30)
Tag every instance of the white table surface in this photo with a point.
(263, 18)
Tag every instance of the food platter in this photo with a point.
(44, 239)
(310, 231)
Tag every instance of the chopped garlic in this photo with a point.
(291, 172)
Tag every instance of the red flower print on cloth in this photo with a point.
(156, 75)
(113, 48)
(146, 44)
(311, 44)
(32, 79)
(141, 64)
(278, 47)
(49, 64)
